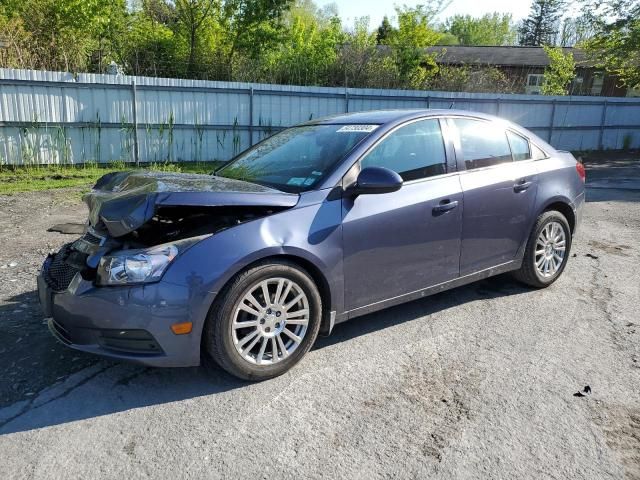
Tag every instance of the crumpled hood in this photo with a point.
(124, 201)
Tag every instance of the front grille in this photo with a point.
(92, 238)
(59, 274)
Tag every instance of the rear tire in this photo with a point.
(264, 321)
(547, 251)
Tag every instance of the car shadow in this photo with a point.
(499, 286)
(93, 387)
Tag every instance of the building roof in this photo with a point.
(502, 56)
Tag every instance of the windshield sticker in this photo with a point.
(317, 174)
(296, 181)
(357, 129)
(309, 181)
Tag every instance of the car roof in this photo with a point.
(382, 117)
(388, 119)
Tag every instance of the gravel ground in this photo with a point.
(485, 381)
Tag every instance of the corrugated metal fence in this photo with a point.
(51, 117)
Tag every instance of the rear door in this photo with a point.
(401, 242)
(499, 192)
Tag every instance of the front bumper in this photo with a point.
(125, 323)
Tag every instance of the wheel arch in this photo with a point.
(563, 206)
(315, 272)
(559, 204)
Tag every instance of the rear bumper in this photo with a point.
(578, 207)
(125, 323)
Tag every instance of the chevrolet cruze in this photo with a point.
(318, 224)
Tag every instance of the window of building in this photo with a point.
(535, 79)
(596, 83)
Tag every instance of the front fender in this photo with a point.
(312, 233)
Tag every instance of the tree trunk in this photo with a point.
(192, 53)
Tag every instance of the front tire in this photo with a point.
(547, 251)
(264, 321)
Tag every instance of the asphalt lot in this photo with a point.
(477, 382)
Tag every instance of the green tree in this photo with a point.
(191, 15)
(490, 29)
(308, 47)
(251, 26)
(384, 31)
(361, 63)
(575, 31)
(541, 26)
(560, 72)
(448, 38)
(150, 44)
(71, 35)
(409, 44)
(615, 46)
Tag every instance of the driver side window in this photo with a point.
(414, 151)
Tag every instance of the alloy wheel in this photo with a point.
(550, 249)
(270, 321)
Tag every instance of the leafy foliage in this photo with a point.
(409, 43)
(559, 73)
(385, 30)
(65, 35)
(490, 29)
(295, 42)
(615, 46)
(472, 80)
(307, 49)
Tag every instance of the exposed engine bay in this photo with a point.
(130, 211)
(177, 223)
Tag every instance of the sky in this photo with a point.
(377, 9)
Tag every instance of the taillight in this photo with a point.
(582, 173)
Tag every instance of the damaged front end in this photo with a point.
(140, 222)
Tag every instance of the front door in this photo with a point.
(401, 242)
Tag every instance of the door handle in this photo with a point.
(445, 206)
(522, 185)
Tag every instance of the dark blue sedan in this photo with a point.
(316, 225)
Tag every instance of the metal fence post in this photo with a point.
(498, 106)
(251, 117)
(65, 118)
(553, 119)
(603, 121)
(428, 101)
(346, 100)
(134, 108)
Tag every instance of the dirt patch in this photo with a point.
(621, 426)
(611, 248)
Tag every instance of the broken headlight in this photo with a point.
(140, 266)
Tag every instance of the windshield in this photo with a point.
(296, 159)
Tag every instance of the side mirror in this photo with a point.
(373, 180)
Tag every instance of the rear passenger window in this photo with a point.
(519, 146)
(483, 143)
(536, 153)
(413, 151)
